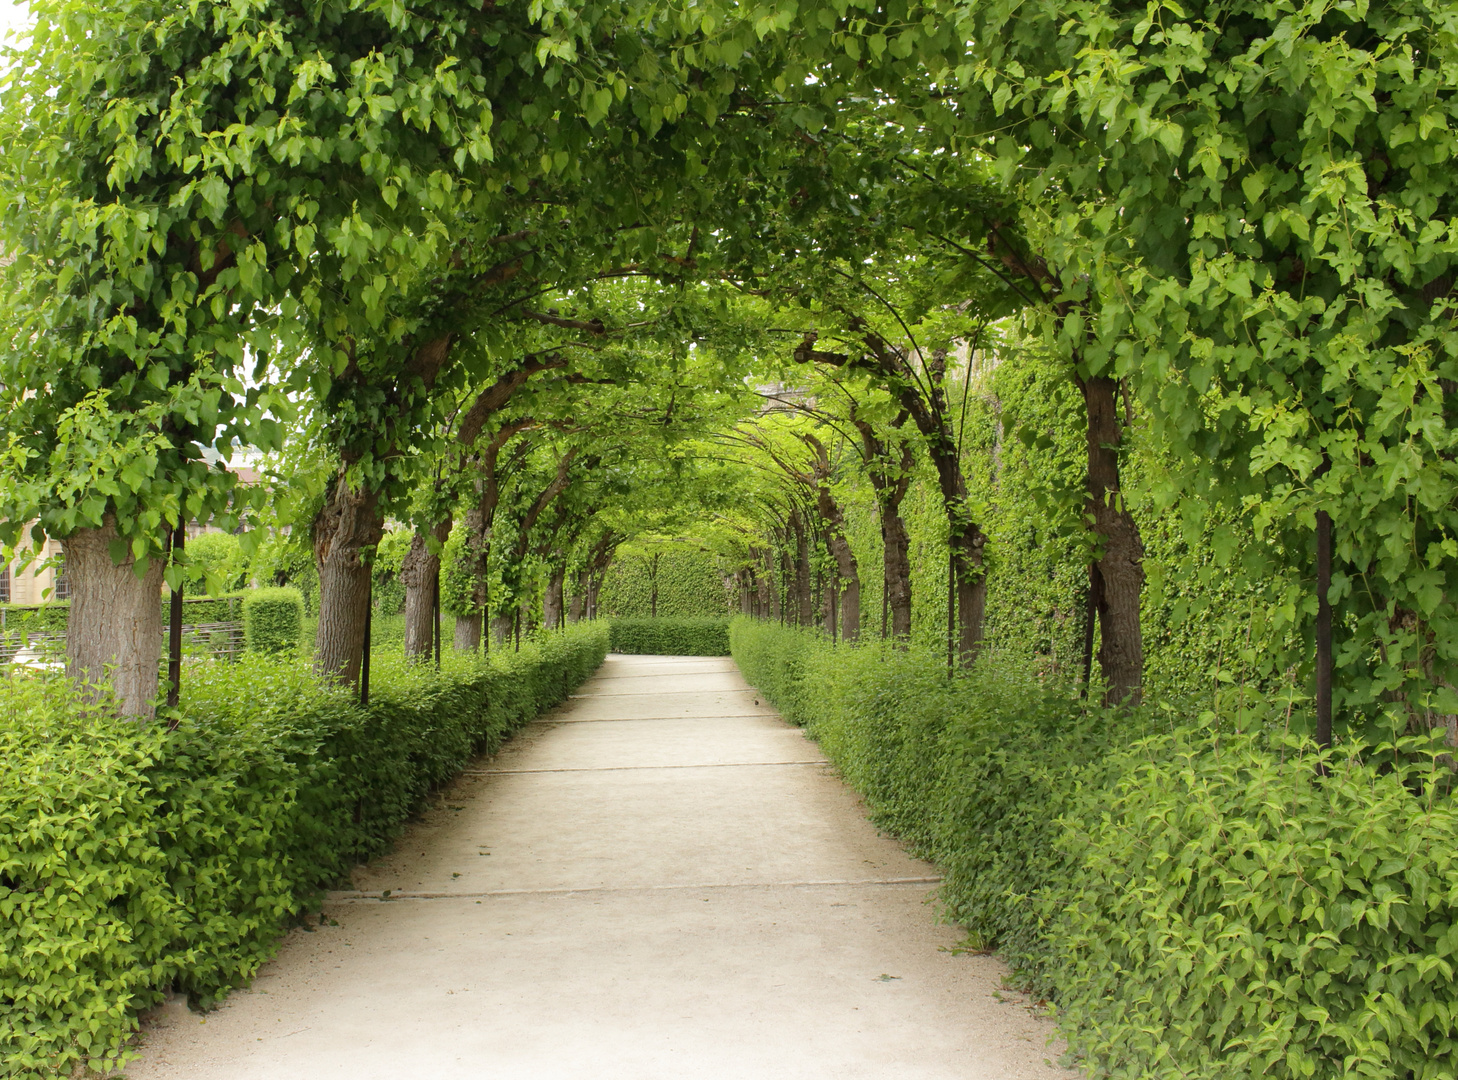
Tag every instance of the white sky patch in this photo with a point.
(14, 18)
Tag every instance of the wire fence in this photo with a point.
(200, 641)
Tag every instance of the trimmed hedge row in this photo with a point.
(1199, 901)
(133, 859)
(273, 619)
(51, 618)
(689, 582)
(671, 637)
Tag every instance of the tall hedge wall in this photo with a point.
(1203, 899)
(133, 859)
(690, 584)
(671, 637)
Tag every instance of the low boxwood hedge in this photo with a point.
(1211, 899)
(671, 637)
(133, 859)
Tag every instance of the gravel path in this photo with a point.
(660, 880)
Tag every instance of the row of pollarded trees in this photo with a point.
(369, 212)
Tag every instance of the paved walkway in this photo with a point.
(661, 880)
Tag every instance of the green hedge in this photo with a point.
(1199, 901)
(133, 859)
(52, 618)
(671, 637)
(690, 584)
(273, 619)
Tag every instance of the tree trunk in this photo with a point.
(931, 417)
(578, 602)
(552, 604)
(501, 629)
(771, 607)
(419, 572)
(115, 621)
(804, 612)
(1117, 575)
(468, 633)
(349, 522)
(826, 589)
(848, 572)
(787, 579)
(890, 477)
(897, 574)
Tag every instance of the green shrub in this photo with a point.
(273, 619)
(1235, 913)
(219, 557)
(133, 859)
(1199, 902)
(671, 637)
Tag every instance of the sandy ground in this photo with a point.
(659, 880)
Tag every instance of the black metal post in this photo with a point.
(1090, 612)
(1323, 629)
(435, 611)
(174, 627)
(364, 660)
(951, 609)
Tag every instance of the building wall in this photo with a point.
(34, 584)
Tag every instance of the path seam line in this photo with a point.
(635, 719)
(635, 768)
(662, 693)
(565, 890)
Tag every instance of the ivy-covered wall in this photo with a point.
(689, 583)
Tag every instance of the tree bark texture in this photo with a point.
(890, 478)
(552, 603)
(480, 517)
(349, 522)
(785, 594)
(419, 572)
(848, 585)
(772, 586)
(1117, 575)
(804, 615)
(468, 633)
(114, 633)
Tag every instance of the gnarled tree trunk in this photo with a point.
(848, 583)
(891, 477)
(552, 602)
(578, 603)
(349, 522)
(896, 578)
(1117, 575)
(114, 633)
(420, 571)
